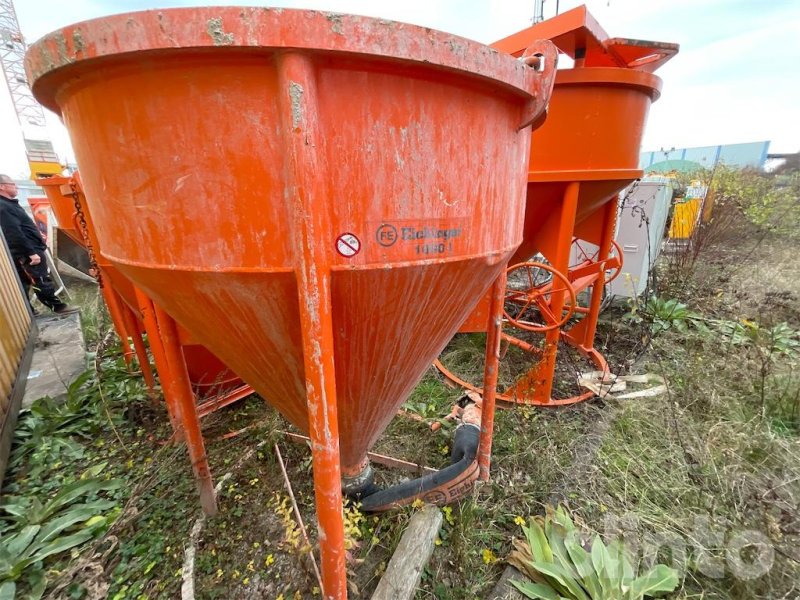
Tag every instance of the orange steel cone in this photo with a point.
(308, 194)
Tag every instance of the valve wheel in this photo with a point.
(529, 294)
(584, 256)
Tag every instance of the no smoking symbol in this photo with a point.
(348, 245)
(386, 235)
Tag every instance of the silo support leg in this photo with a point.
(493, 335)
(113, 302)
(160, 359)
(317, 327)
(182, 390)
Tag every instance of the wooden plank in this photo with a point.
(17, 336)
(413, 553)
(9, 423)
(10, 306)
(16, 304)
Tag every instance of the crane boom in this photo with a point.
(42, 159)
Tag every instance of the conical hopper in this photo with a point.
(309, 194)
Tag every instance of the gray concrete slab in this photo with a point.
(58, 357)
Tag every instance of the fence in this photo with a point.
(17, 336)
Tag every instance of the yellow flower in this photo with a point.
(250, 566)
(246, 580)
(235, 574)
(448, 514)
(488, 556)
(437, 541)
(270, 559)
(519, 521)
(220, 573)
(418, 503)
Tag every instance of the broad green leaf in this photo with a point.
(93, 471)
(569, 584)
(583, 564)
(8, 590)
(562, 518)
(76, 385)
(536, 591)
(63, 543)
(660, 578)
(540, 549)
(18, 507)
(37, 582)
(557, 537)
(600, 560)
(17, 544)
(36, 512)
(76, 489)
(619, 551)
(74, 515)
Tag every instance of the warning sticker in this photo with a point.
(348, 245)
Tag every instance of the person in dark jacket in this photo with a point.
(27, 248)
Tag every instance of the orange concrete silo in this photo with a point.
(309, 194)
(584, 154)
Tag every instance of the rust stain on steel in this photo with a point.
(296, 97)
(217, 33)
(77, 40)
(61, 46)
(336, 21)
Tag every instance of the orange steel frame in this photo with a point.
(316, 322)
(535, 386)
(575, 33)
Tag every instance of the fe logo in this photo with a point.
(386, 235)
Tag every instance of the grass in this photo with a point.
(706, 476)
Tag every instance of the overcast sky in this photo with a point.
(736, 78)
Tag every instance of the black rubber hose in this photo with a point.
(465, 447)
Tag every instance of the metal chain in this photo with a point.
(85, 232)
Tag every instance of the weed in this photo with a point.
(555, 558)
